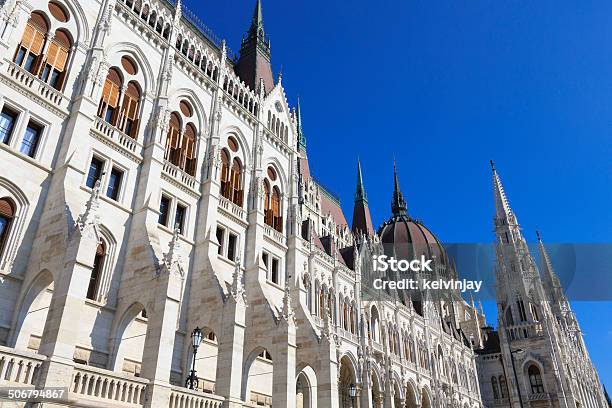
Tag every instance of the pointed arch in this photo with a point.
(133, 51)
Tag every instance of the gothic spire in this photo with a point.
(300, 129)
(551, 280)
(362, 220)
(360, 194)
(254, 62)
(398, 204)
(502, 206)
(257, 22)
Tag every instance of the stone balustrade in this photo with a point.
(102, 385)
(232, 209)
(183, 397)
(19, 367)
(36, 86)
(177, 174)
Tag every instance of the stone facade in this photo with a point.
(537, 357)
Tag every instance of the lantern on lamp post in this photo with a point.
(196, 340)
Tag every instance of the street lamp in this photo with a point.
(518, 386)
(196, 340)
(352, 393)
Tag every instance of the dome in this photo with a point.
(406, 238)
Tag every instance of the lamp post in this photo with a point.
(196, 340)
(352, 393)
(518, 386)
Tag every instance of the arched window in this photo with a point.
(29, 51)
(503, 386)
(188, 156)
(535, 380)
(96, 272)
(321, 303)
(235, 182)
(174, 139)
(225, 173)
(109, 102)
(128, 117)
(495, 388)
(7, 213)
(54, 66)
(275, 205)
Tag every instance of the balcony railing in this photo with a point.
(35, 85)
(117, 136)
(274, 235)
(98, 384)
(19, 367)
(232, 208)
(542, 396)
(525, 330)
(183, 397)
(176, 173)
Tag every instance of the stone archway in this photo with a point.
(347, 377)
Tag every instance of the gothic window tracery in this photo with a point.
(535, 380)
(45, 54)
(181, 140)
(232, 173)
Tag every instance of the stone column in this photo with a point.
(230, 352)
(160, 337)
(283, 392)
(327, 377)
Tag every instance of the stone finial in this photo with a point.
(238, 292)
(173, 259)
(89, 221)
(288, 313)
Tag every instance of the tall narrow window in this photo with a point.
(236, 186)
(495, 388)
(535, 380)
(7, 213)
(267, 211)
(30, 140)
(8, 118)
(277, 222)
(179, 217)
(164, 208)
(128, 117)
(96, 272)
(275, 276)
(30, 48)
(220, 237)
(232, 241)
(54, 66)
(188, 160)
(114, 184)
(225, 174)
(173, 140)
(107, 109)
(95, 172)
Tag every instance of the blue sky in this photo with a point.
(444, 87)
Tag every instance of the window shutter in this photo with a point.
(28, 36)
(6, 208)
(100, 250)
(37, 42)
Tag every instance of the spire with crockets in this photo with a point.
(551, 281)
(398, 204)
(301, 139)
(503, 212)
(362, 219)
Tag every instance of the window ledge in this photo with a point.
(25, 157)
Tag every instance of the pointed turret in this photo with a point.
(398, 204)
(254, 62)
(300, 130)
(503, 212)
(362, 220)
(551, 281)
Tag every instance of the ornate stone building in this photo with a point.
(537, 357)
(152, 183)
